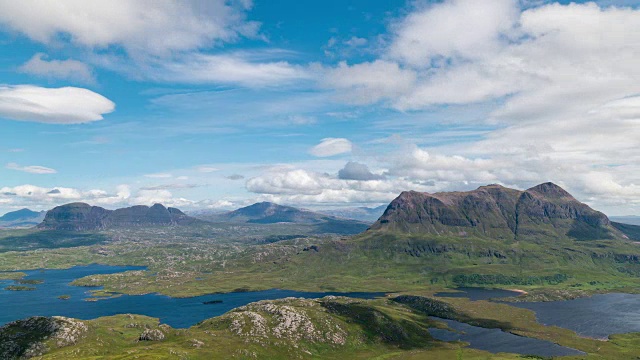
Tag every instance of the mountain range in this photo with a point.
(271, 213)
(84, 217)
(543, 211)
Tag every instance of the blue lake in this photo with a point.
(176, 312)
(496, 340)
(597, 316)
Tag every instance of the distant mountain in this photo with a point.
(543, 211)
(365, 214)
(21, 218)
(84, 217)
(631, 219)
(270, 213)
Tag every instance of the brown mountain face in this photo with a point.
(84, 217)
(495, 211)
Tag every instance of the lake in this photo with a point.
(176, 312)
(496, 340)
(597, 316)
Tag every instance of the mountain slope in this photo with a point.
(543, 211)
(21, 218)
(84, 217)
(270, 213)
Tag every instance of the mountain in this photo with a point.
(84, 217)
(543, 211)
(270, 213)
(365, 214)
(21, 218)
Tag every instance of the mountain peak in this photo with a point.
(495, 211)
(550, 189)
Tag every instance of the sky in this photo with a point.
(339, 103)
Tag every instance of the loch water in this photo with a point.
(176, 312)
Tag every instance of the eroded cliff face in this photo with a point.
(495, 211)
(84, 217)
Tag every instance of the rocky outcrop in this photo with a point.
(35, 336)
(495, 211)
(84, 217)
(151, 335)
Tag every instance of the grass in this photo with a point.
(195, 262)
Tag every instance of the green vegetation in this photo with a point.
(201, 260)
(500, 279)
(328, 328)
(64, 297)
(19, 288)
(28, 282)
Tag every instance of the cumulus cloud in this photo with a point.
(357, 171)
(67, 105)
(30, 195)
(560, 83)
(47, 198)
(368, 83)
(68, 69)
(303, 186)
(331, 147)
(33, 169)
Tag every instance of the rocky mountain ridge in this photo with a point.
(84, 217)
(543, 211)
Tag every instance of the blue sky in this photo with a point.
(214, 104)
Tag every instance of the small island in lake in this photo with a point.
(19, 288)
(212, 302)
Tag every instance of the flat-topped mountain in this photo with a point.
(271, 213)
(543, 211)
(84, 217)
(21, 218)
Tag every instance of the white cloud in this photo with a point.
(367, 83)
(206, 169)
(356, 41)
(155, 27)
(331, 147)
(561, 83)
(238, 69)
(67, 105)
(357, 171)
(159, 175)
(163, 40)
(302, 186)
(47, 198)
(33, 169)
(455, 28)
(58, 69)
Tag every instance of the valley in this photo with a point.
(418, 248)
